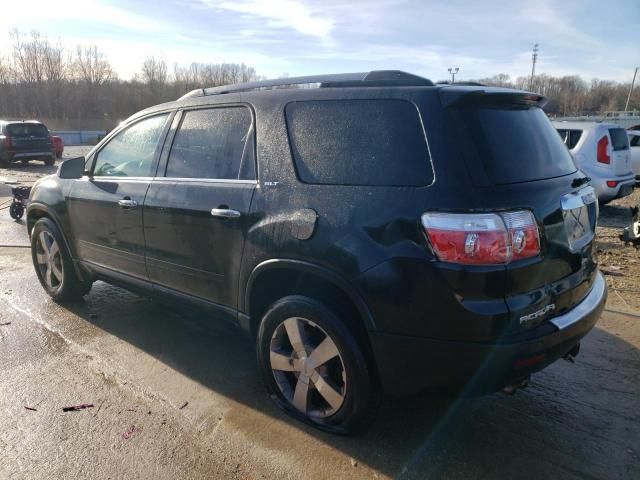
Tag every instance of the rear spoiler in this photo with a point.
(450, 96)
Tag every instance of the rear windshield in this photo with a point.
(514, 143)
(619, 139)
(359, 142)
(570, 137)
(27, 130)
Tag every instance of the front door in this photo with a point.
(197, 214)
(105, 208)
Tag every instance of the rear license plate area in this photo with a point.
(579, 212)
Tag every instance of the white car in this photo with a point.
(634, 142)
(602, 152)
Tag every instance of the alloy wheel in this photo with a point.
(49, 259)
(308, 368)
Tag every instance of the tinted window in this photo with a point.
(215, 143)
(359, 142)
(570, 137)
(27, 130)
(634, 140)
(514, 143)
(619, 139)
(132, 151)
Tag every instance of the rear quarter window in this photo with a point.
(619, 139)
(359, 142)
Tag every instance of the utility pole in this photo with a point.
(534, 59)
(452, 72)
(635, 72)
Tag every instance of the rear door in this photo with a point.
(619, 151)
(105, 207)
(196, 213)
(29, 139)
(517, 160)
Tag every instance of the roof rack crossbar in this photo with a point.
(376, 78)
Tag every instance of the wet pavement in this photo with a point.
(177, 394)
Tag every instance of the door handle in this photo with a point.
(224, 213)
(127, 203)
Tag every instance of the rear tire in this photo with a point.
(50, 161)
(53, 263)
(4, 162)
(58, 155)
(318, 375)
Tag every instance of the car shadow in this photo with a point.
(566, 421)
(614, 216)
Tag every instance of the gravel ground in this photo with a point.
(177, 395)
(619, 261)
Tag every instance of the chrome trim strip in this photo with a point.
(115, 178)
(202, 180)
(585, 307)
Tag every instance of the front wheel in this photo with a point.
(313, 367)
(53, 263)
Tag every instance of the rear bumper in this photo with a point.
(622, 189)
(412, 364)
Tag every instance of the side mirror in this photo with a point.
(72, 168)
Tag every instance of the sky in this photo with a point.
(298, 37)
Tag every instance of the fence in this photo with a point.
(80, 137)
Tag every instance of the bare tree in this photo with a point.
(92, 66)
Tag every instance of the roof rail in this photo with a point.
(376, 78)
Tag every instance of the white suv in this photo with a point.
(601, 151)
(634, 141)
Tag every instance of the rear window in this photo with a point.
(514, 143)
(359, 142)
(570, 137)
(619, 139)
(27, 130)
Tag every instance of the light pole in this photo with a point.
(635, 72)
(452, 72)
(534, 58)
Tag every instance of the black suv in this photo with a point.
(25, 140)
(376, 233)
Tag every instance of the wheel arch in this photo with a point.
(36, 211)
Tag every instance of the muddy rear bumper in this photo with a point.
(412, 364)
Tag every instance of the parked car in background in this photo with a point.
(601, 151)
(24, 141)
(58, 145)
(634, 144)
(378, 232)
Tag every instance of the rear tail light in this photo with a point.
(602, 155)
(8, 142)
(612, 183)
(482, 238)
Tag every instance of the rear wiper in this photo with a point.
(577, 182)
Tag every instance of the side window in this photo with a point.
(214, 143)
(635, 141)
(358, 142)
(132, 151)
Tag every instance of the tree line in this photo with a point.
(41, 79)
(571, 95)
(80, 89)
